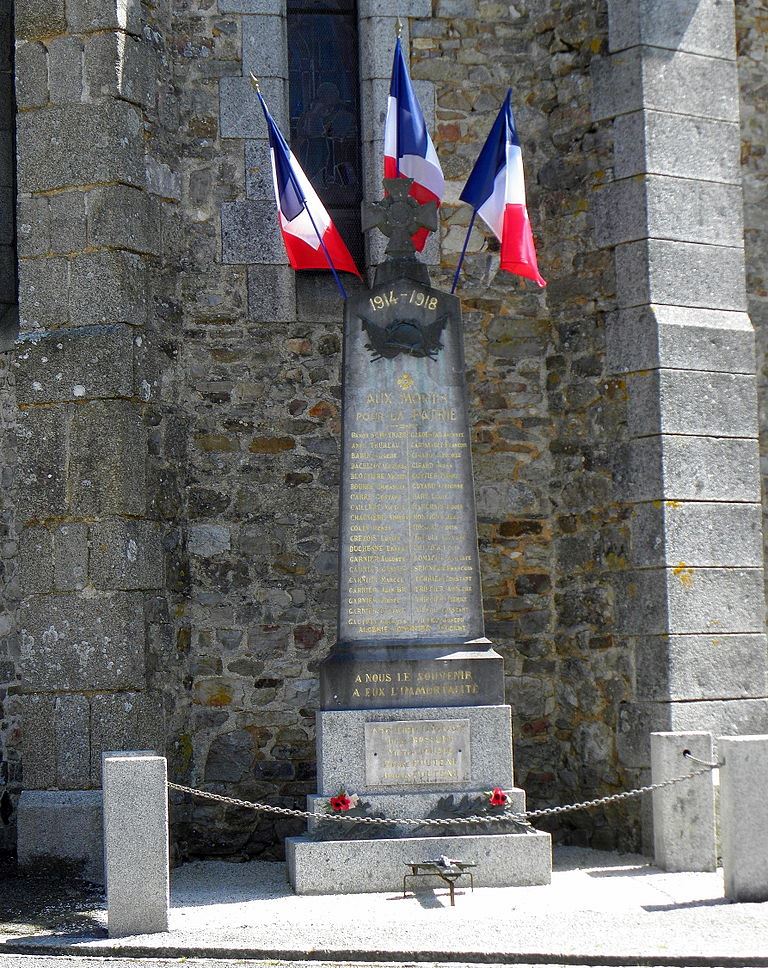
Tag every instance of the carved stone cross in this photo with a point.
(398, 216)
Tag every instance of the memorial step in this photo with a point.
(373, 866)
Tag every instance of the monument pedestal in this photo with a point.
(403, 763)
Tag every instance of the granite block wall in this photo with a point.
(171, 416)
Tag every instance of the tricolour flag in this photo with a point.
(496, 191)
(311, 239)
(408, 149)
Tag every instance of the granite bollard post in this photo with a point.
(683, 814)
(135, 842)
(744, 816)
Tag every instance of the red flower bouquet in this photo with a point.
(342, 802)
(498, 798)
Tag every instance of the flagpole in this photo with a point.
(463, 251)
(302, 196)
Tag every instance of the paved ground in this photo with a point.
(600, 909)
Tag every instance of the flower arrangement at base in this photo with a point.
(353, 808)
(342, 802)
(498, 798)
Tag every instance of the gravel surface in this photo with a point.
(603, 908)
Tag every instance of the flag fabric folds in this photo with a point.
(496, 191)
(408, 149)
(311, 239)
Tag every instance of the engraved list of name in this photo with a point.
(409, 567)
(408, 753)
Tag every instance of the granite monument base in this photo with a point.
(370, 866)
(415, 764)
(448, 748)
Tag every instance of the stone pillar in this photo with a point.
(683, 814)
(90, 544)
(744, 816)
(136, 843)
(691, 602)
(250, 236)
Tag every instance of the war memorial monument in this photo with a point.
(412, 716)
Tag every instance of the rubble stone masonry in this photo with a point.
(169, 428)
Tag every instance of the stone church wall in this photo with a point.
(192, 437)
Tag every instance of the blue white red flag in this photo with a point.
(496, 191)
(311, 239)
(408, 149)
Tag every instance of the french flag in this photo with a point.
(408, 149)
(496, 191)
(311, 239)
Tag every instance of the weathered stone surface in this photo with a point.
(250, 234)
(744, 817)
(67, 222)
(36, 560)
(38, 18)
(107, 464)
(32, 226)
(650, 78)
(367, 866)
(676, 145)
(123, 217)
(680, 273)
(697, 26)
(407, 8)
(42, 283)
(341, 745)
(65, 69)
(116, 65)
(724, 717)
(56, 827)
(716, 666)
(690, 600)
(124, 721)
(658, 207)
(272, 292)
(126, 555)
(94, 143)
(676, 337)
(258, 170)
(675, 468)
(136, 857)
(70, 557)
(78, 642)
(276, 7)
(693, 403)
(84, 16)
(31, 75)
(75, 364)
(377, 46)
(38, 738)
(265, 46)
(696, 534)
(684, 813)
(42, 460)
(108, 287)
(241, 114)
(72, 715)
(208, 540)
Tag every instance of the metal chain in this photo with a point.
(443, 821)
(694, 759)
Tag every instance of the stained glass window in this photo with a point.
(324, 97)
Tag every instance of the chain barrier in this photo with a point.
(523, 817)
